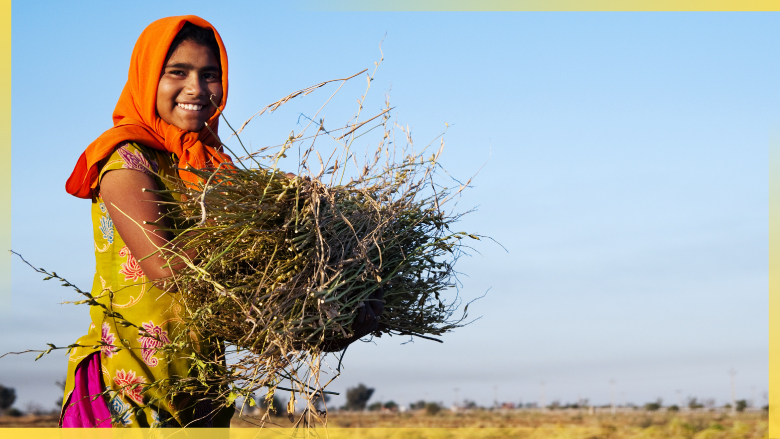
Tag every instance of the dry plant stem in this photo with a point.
(272, 107)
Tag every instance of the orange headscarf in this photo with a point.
(135, 115)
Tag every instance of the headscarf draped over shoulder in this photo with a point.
(135, 116)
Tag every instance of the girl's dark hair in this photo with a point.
(198, 35)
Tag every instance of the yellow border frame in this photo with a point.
(5, 156)
(409, 5)
(774, 282)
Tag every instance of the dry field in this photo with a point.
(521, 424)
(558, 424)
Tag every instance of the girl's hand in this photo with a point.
(367, 321)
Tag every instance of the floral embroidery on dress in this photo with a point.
(130, 269)
(130, 385)
(136, 160)
(108, 338)
(152, 337)
(120, 412)
(107, 228)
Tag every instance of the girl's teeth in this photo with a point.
(190, 106)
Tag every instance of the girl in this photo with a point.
(164, 121)
(178, 67)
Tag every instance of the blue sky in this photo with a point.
(625, 171)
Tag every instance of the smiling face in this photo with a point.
(191, 75)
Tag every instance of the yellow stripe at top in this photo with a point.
(541, 5)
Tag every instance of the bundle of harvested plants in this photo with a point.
(285, 263)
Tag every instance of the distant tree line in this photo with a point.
(358, 397)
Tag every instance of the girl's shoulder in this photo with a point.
(130, 155)
(133, 155)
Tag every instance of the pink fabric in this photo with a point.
(86, 407)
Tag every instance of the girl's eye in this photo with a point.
(211, 76)
(176, 72)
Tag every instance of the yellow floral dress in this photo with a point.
(135, 368)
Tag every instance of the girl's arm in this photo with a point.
(129, 207)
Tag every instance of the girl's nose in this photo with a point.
(194, 86)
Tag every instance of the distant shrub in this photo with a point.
(357, 397)
(469, 404)
(7, 397)
(419, 405)
(432, 408)
(694, 404)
